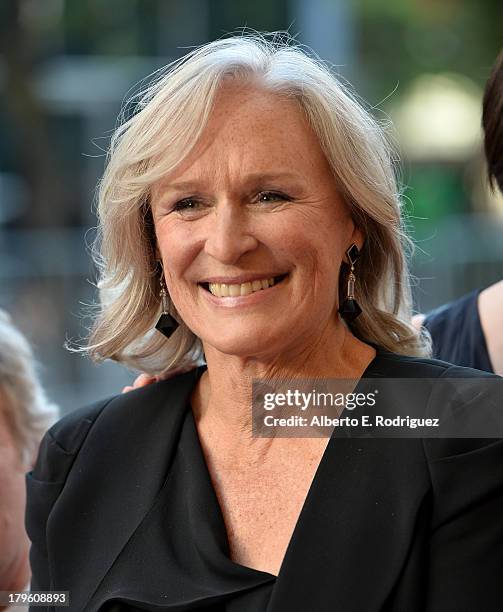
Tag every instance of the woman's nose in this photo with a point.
(229, 234)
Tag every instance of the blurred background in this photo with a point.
(67, 65)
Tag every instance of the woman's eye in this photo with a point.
(186, 204)
(194, 204)
(271, 196)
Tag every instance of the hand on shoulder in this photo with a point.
(418, 320)
(143, 380)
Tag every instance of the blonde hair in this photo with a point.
(24, 403)
(170, 116)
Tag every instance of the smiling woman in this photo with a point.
(251, 202)
(238, 225)
(251, 135)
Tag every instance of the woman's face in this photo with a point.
(254, 201)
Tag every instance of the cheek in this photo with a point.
(319, 252)
(317, 249)
(177, 250)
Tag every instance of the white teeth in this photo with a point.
(225, 290)
(246, 288)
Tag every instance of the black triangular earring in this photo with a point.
(166, 323)
(350, 308)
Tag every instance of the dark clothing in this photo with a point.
(457, 334)
(122, 513)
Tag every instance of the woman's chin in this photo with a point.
(243, 343)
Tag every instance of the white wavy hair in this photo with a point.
(23, 400)
(169, 118)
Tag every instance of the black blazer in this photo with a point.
(396, 525)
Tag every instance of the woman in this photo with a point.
(468, 331)
(251, 202)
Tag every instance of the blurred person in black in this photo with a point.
(249, 211)
(25, 414)
(469, 331)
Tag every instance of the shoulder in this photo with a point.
(453, 310)
(457, 332)
(156, 405)
(466, 470)
(69, 431)
(62, 442)
(469, 399)
(394, 365)
(139, 404)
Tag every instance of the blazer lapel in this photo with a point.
(356, 527)
(113, 483)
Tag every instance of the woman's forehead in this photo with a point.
(251, 133)
(239, 110)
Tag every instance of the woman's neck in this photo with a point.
(221, 400)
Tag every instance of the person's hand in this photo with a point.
(418, 320)
(144, 380)
(140, 381)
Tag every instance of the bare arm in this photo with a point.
(491, 318)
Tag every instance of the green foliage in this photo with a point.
(399, 39)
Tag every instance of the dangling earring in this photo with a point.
(166, 323)
(349, 308)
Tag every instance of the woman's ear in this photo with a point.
(358, 238)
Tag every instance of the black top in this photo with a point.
(187, 515)
(457, 333)
(195, 570)
(122, 513)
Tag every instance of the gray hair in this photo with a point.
(170, 116)
(28, 412)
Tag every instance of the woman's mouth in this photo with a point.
(240, 289)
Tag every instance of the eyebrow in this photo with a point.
(249, 179)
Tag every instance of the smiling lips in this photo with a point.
(239, 289)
